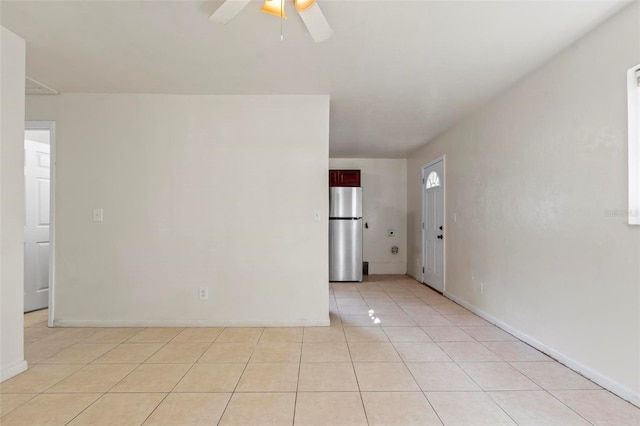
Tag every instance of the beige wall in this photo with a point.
(533, 177)
(384, 186)
(12, 72)
(215, 191)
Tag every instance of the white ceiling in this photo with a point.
(398, 72)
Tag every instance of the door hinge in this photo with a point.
(423, 269)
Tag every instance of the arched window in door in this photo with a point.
(433, 180)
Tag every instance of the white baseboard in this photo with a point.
(189, 323)
(591, 374)
(13, 370)
(387, 268)
(415, 277)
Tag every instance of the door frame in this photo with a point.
(444, 219)
(51, 126)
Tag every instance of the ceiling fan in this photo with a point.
(309, 11)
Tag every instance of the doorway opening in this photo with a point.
(433, 232)
(38, 222)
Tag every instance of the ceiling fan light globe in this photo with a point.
(275, 8)
(302, 5)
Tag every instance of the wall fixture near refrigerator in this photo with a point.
(345, 234)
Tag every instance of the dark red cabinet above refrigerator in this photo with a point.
(344, 178)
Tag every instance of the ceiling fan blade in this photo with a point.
(228, 10)
(316, 23)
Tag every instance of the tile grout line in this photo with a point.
(127, 375)
(572, 410)
(86, 408)
(33, 396)
(548, 391)
(241, 374)
(454, 361)
(163, 344)
(295, 400)
(487, 392)
(185, 373)
(464, 371)
(353, 367)
(500, 407)
(64, 378)
(416, 381)
(102, 394)
(58, 351)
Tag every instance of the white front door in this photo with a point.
(36, 229)
(433, 225)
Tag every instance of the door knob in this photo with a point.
(440, 236)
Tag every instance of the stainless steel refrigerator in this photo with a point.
(345, 234)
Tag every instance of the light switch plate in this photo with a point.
(97, 215)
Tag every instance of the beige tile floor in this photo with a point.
(397, 353)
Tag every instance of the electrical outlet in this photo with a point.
(481, 288)
(204, 293)
(97, 215)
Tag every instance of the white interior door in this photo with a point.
(433, 225)
(36, 230)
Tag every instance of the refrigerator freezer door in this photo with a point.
(345, 202)
(345, 250)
